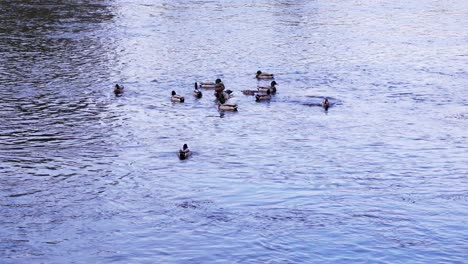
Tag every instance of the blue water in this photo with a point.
(87, 177)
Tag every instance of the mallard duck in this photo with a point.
(184, 152)
(118, 90)
(177, 98)
(271, 88)
(209, 85)
(219, 88)
(226, 107)
(249, 92)
(197, 93)
(264, 75)
(220, 92)
(326, 104)
(263, 97)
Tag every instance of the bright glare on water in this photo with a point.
(88, 177)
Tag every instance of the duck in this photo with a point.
(249, 92)
(326, 104)
(220, 90)
(197, 93)
(118, 90)
(177, 98)
(208, 85)
(264, 75)
(226, 107)
(184, 152)
(271, 88)
(263, 97)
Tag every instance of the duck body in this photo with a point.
(118, 90)
(263, 97)
(326, 104)
(228, 107)
(249, 92)
(264, 75)
(177, 98)
(184, 152)
(197, 93)
(210, 85)
(271, 88)
(206, 85)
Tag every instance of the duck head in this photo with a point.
(218, 81)
(173, 93)
(273, 84)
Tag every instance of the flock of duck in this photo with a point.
(263, 93)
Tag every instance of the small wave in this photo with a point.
(454, 197)
(22, 194)
(312, 100)
(193, 204)
(459, 116)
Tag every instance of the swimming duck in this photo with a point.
(219, 89)
(184, 152)
(264, 75)
(226, 107)
(249, 92)
(118, 90)
(197, 93)
(209, 85)
(271, 88)
(177, 98)
(326, 104)
(263, 97)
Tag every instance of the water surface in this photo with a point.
(380, 177)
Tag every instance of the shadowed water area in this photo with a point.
(88, 177)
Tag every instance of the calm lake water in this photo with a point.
(87, 177)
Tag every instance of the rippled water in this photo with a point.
(88, 177)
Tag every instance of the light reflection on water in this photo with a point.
(88, 177)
